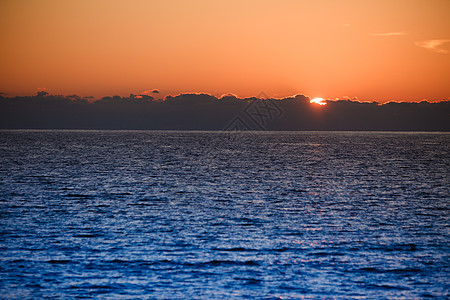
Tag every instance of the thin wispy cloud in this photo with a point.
(396, 33)
(434, 45)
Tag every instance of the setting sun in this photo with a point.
(319, 101)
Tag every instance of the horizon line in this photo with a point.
(260, 96)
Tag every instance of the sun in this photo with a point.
(319, 101)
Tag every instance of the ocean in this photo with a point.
(224, 215)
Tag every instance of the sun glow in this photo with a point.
(319, 101)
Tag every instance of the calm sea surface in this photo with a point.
(204, 215)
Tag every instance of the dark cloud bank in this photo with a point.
(206, 112)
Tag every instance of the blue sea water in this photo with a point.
(217, 215)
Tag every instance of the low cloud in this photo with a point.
(149, 92)
(207, 112)
(42, 94)
(434, 45)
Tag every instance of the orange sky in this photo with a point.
(374, 50)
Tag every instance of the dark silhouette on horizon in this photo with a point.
(207, 112)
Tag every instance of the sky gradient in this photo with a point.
(372, 50)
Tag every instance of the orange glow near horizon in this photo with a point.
(374, 50)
